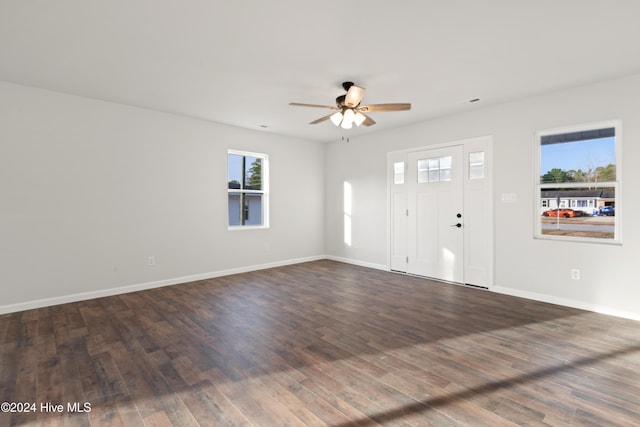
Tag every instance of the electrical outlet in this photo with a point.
(575, 274)
(151, 260)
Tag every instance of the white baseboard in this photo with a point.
(46, 302)
(357, 262)
(565, 302)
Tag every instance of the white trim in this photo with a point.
(358, 263)
(566, 302)
(245, 153)
(246, 227)
(46, 302)
(443, 144)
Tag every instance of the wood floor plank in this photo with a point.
(206, 402)
(320, 343)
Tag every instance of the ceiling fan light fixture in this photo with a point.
(336, 118)
(348, 109)
(346, 125)
(347, 118)
(359, 118)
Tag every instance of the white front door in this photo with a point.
(428, 189)
(435, 225)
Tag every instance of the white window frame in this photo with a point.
(617, 184)
(264, 191)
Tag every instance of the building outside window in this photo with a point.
(578, 183)
(247, 175)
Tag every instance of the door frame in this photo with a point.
(484, 143)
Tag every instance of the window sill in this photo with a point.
(588, 240)
(247, 227)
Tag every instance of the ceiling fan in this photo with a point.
(349, 110)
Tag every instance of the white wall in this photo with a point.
(90, 189)
(524, 266)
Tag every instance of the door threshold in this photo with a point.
(470, 285)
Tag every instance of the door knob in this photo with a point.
(456, 225)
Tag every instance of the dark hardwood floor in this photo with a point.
(320, 343)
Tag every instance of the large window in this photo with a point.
(247, 189)
(578, 186)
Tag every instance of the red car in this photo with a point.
(565, 213)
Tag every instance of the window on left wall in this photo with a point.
(247, 176)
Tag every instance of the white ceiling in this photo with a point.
(241, 62)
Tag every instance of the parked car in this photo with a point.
(565, 213)
(607, 211)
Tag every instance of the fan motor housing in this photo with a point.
(347, 85)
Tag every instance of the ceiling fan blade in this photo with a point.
(321, 119)
(368, 121)
(354, 96)
(297, 104)
(384, 107)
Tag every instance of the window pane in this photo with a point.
(445, 168)
(252, 209)
(423, 171)
(445, 162)
(476, 165)
(586, 156)
(435, 169)
(445, 174)
(234, 209)
(592, 212)
(253, 173)
(234, 171)
(398, 173)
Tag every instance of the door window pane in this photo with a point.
(423, 171)
(445, 168)
(398, 173)
(435, 169)
(476, 165)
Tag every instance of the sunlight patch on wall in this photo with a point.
(347, 204)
